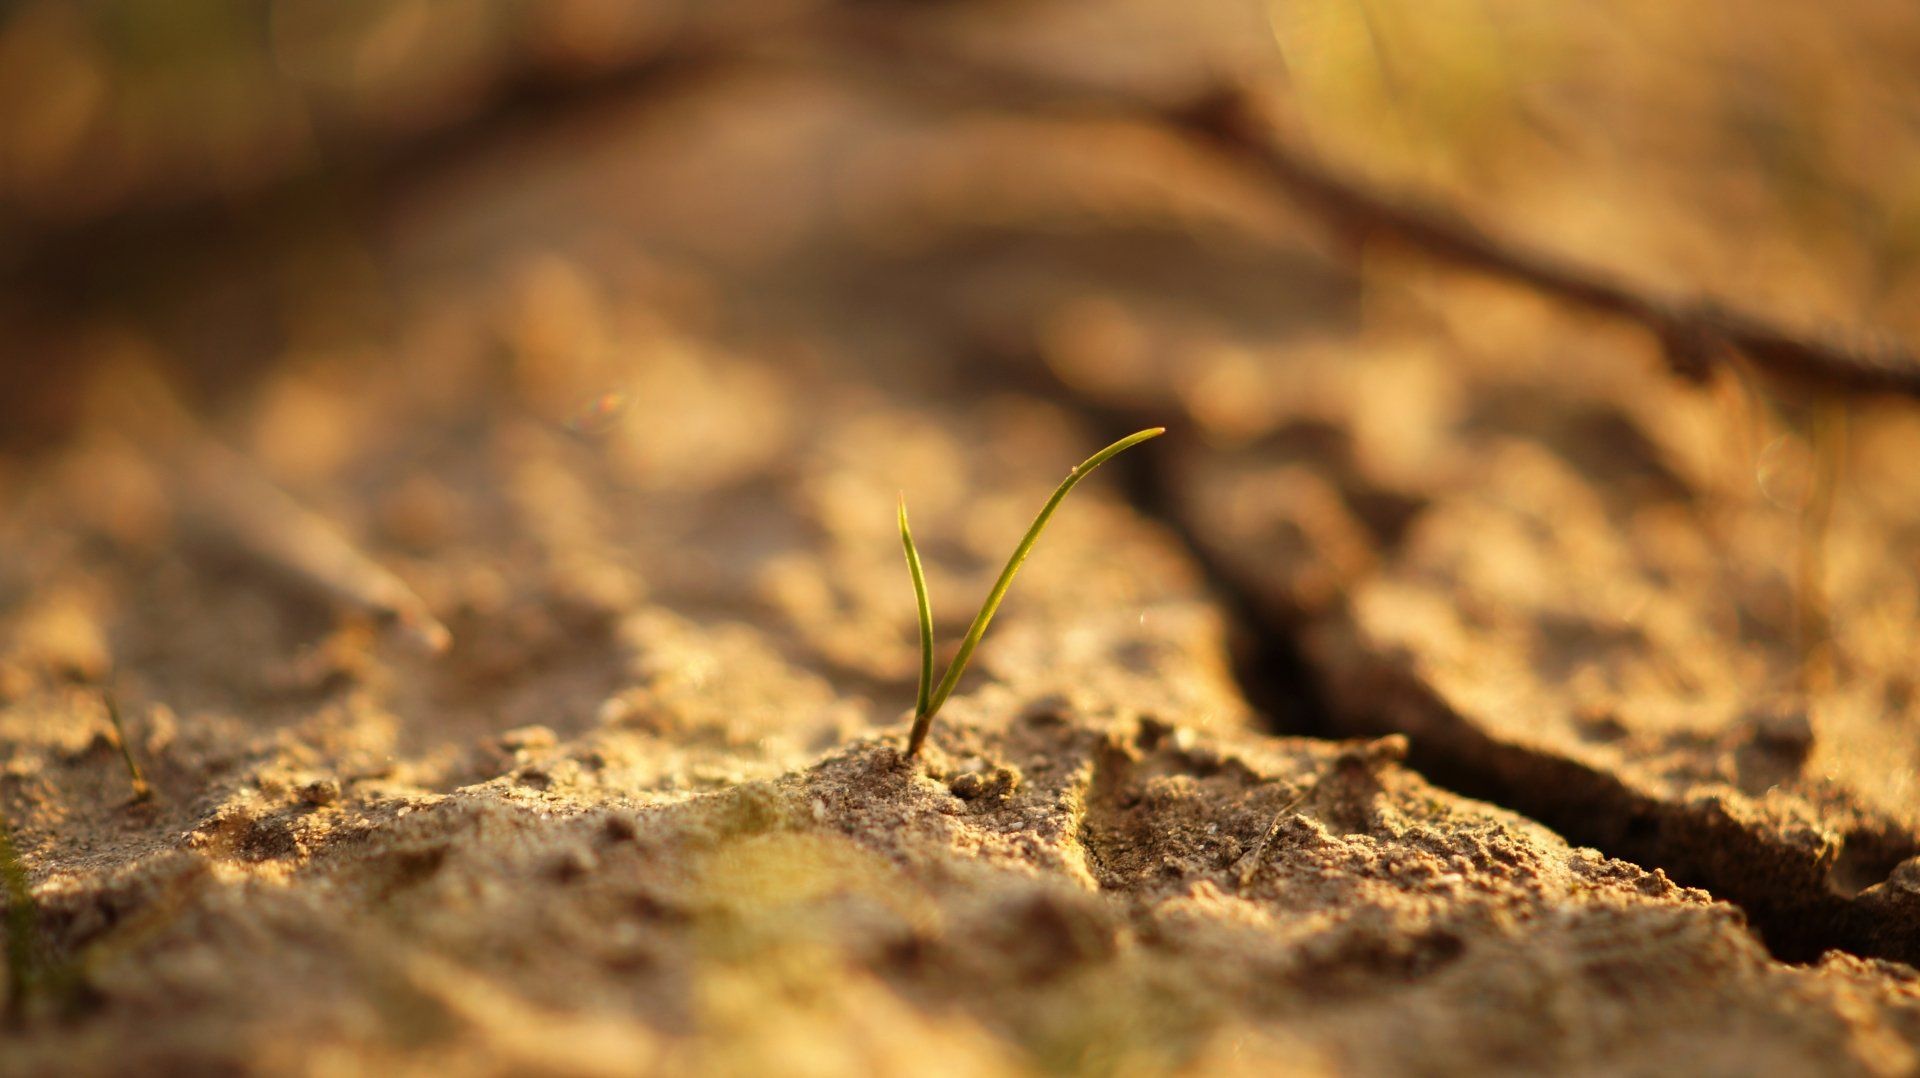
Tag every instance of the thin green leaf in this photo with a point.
(923, 719)
(141, 789)
(920, 713)
(21, 919)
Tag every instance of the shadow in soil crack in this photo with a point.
(1788, 896)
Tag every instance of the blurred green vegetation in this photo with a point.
(111, 104)
(1768, 152)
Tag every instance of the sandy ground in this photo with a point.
(506, 609)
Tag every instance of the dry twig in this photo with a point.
(1695, 333)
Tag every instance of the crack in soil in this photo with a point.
(1788, 901)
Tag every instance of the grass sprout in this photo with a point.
(142, 790)
(22, 919)
(931, 697)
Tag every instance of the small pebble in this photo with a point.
(523, 738)
(619, 829)
(571, 864)
(320, 792)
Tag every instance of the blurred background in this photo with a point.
(371, 256)
(1765, 156)
(394, 390)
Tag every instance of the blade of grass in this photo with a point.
(141, 790)
(923, 719)
(926, 617)
(21, 920)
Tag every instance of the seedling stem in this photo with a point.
(141, 790)
(930, 699)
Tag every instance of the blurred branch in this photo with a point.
(59, 258)
(1696, 333)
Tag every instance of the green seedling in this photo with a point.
(142, 791)
(931, 697)
(22, 919)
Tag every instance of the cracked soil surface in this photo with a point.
(515, 636)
